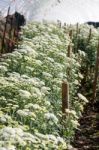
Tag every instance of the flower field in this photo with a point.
(31, 80)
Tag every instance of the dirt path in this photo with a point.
(87, 138)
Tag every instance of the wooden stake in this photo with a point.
(4, 31)
(71, 34)
(89, 37)
(77, 27)
(77, 32)
(65, 97)
(96, 74)
(69, 51)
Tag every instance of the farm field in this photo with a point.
(48, 86)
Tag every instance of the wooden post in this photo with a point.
(65, 97)
(70, 34)
(96, 74)
(77, 27)
(69, 51)
(77, 32)
(2, 45)
(17, 31)
(59, 23)
(11, 36)
(89, 36)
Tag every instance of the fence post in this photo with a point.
(89, 37)
(70, 34)
(96, 74)
(65, 97)
(69, 51)
(4, 33)
(77, 32)
(10, 35)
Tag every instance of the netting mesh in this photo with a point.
(16, 5)
(69, 11)
(28, 8)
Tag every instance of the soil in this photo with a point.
(87, 137)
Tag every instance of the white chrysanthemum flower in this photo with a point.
(3, 68)
(33, 82)
(82, 53)
(45, 90)
(5, 135)
(41, 83)
(28, 49)
(81, 107)
(15, 106)
(75, 122)
(67, 64)
(50, 59)
(8, 60)
(70, 147)
(41, 136)
(22, 113)
(9, 130)
(60, 140)
(52, 137)
(47, 103)
(3, 119)
(32, 114)
(36, 91)
(59, 66)
(24, 76)
(60, 75)
(30, 105)
(76, 82)
(63, 55)
(36, 107)
(11, 147)
(38, 62)
(68, 111)
(17, 55)
(23, 51)
(14, 74)
(26, 110)
(82, 97)
(19, 131)
(20, 141)
(29, 68)
(26, 134)
(80, 76)
(78, 64)
(16, 135)
(50, 116)
(48, 75)
(4, 64)
(24, 94)
(72, 112)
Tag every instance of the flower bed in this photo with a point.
(30, 90)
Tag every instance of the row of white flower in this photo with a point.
(30, 90)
